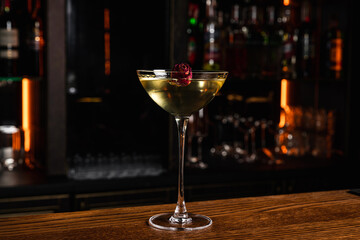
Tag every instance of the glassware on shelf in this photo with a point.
(242, 139)
(181, 96)
(307, 131)
(240, 133)
(110, 166)
(11, 147)
(197, 132)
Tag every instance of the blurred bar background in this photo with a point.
(78, 131)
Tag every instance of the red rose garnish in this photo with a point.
(183, 74)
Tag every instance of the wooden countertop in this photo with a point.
(317, 215)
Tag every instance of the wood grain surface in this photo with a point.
(318, 215)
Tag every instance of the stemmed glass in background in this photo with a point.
(197, 131)
(181, 100)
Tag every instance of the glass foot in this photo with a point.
(162, 221)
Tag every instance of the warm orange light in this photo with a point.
(26, 116)
(90, 100)
(16, 140)
(29, 163)
(283, 149)
(27, 140)
(106, 19)
(336, 54)
(267, 152)
(285, 69)
(283, 94)
(286, 2)
(282, 120)
(283, 102)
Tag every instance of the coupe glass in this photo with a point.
(181, 101)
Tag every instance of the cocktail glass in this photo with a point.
(181, 101)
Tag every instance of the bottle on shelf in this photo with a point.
(9, 42)
(193, 31)
(222, 20)
(306, 44)
(212, 52)
(32, 41)
(236, 52)
(272, 41)
(289, 33)
(255, 42)
(10, 82)
(333, 52)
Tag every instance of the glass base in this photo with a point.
(193, 222)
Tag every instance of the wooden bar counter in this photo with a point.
(317, 215)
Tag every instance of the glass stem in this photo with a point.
(180, 213)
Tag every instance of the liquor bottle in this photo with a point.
(9, 41)
(333, 52)
(236, 54)
(272, 42)
(255, 42)
(212, 56)
(306, 45)
(34, 41)
(223, 38)
(10, 82)
(193, 32)
(289, 34)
